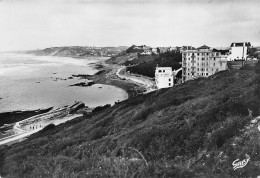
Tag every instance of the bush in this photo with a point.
(100, 108)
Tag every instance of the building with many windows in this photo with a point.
(202, 62)
(164, 77)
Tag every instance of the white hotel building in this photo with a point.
(164, 77)
(202, 62)
(239, 51)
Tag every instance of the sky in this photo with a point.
(38, 24)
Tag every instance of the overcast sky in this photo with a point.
(32, 24)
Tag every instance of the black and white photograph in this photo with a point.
(129, 88)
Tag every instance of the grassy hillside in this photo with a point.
(131, 56)
(122, 58)
(196, 129)
(167, 59)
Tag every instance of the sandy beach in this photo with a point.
(108, 74)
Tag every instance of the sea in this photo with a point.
(29, 82)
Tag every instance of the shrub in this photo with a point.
(100, 108)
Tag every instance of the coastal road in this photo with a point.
(148, 84)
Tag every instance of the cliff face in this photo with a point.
(195, 129)
(78, 51)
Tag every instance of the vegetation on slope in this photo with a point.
(196, 129)
(132, 56)
(167, 59)
(254, 52)
(122, 58)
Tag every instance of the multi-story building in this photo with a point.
(164, 77)
(239, 51)
(202, 62)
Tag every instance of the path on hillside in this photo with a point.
(36, 123)
(148, 84)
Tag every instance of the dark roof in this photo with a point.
(188, 48)
(204, 47)
(240, 44)
(222, 51)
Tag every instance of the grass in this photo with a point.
(147, 68)
(196, 129)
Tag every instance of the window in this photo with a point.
(198, 54)
(198, 69)
(206, 74)
(220, 64)
(163, 71)
(203, 59)
(169, 79)
(201, 73)
(188, 73)
(214, 64)
(169, 84)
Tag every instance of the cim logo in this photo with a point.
(240, 164)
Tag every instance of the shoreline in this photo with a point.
(107, 74)
(8, 119)
(20, 130)
(143, 81)
(15, 116)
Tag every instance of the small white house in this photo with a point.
(239, 51)
(154, 50)
(164, 77)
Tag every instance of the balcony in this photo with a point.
(193, 68)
